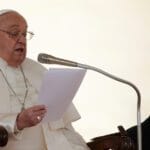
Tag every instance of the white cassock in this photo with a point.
(58, 135)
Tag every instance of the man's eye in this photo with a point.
(24, 34)
(14, 34)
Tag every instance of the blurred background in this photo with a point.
(113, 35)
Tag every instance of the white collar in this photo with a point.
(3, 64)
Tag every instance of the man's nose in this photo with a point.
(22, 39)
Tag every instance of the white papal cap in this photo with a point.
(3, 11)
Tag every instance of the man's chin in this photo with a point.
(17, 62)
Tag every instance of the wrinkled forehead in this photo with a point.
(8, 17)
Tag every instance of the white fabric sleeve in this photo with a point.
(69, 116)
(8, 121)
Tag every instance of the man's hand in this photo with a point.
(30, 116)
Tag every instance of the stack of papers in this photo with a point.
(58, 89)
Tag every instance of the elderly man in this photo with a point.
(20, 80)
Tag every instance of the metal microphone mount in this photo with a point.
(49, 59)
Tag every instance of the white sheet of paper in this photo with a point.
(58, 89)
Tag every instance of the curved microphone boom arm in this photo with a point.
(49, 59)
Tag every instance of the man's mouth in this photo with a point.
(20, 50)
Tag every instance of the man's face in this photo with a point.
(13, 29)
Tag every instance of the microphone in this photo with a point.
(49, 59)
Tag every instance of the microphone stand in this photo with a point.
(139, 131)
(49, 59)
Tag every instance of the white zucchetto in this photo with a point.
(3, 11)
